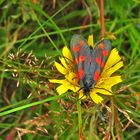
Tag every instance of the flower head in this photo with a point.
(105, 82)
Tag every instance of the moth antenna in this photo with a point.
(67, 108)
(104, 89)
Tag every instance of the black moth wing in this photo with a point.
(100, 54)
(84, 50)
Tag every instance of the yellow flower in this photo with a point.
(104, 83)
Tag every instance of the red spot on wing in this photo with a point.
(76, 61)
(102, 46)
(102, 64)
(81, 42)
(80, 73)
(98, 60)
(105, 53)
(76, 48)
(82, 57)
(96, 75)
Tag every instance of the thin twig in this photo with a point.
(102, 19)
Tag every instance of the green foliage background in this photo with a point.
(32, 34)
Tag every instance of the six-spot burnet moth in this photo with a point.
(89, 62)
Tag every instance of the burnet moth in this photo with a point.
(89, 62)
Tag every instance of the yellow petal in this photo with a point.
(60, 68)
(107, 84)
(74, 88)
(96, 98)
(112, 36)
(72, 78)
(111, 70)
(113, 58)
(90, 41)
(66, 85)
(81, 94)
(113, 80)
(70, 86)
(56, 81)
(63, 61)
(104, 91)
(67, 54)
(61, 89)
